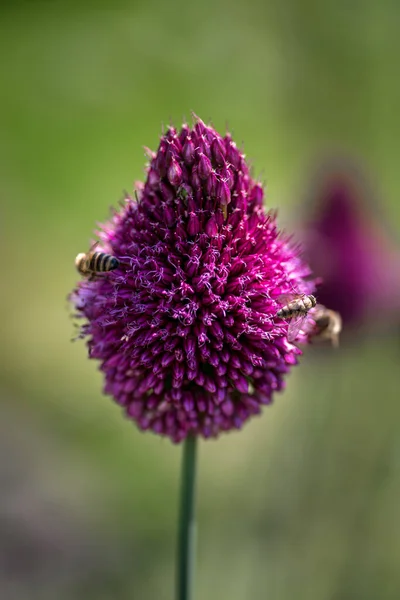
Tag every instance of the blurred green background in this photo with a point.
(304, 502)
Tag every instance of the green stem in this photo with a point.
(187, 522)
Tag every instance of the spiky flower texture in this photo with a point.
(185, 328)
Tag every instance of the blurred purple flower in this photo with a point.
(347, 245)
(185, 329)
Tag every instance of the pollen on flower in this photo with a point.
(185, 329)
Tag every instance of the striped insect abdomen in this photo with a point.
(101, 262)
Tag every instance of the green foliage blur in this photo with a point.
(304, 502)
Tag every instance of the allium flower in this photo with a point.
(346, 243)
(185, 329)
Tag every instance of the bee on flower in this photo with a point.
(95, 262)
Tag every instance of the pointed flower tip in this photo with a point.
(186, 329)
(196, 119)
(149, 153)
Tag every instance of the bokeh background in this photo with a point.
(304, 502)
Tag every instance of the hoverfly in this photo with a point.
(295, 307)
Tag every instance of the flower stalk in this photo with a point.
(187, 522)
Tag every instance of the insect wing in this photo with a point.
(295, 326)
(93, 247)
(285, 299)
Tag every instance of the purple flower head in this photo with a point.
(185, 328)
(346, 243)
